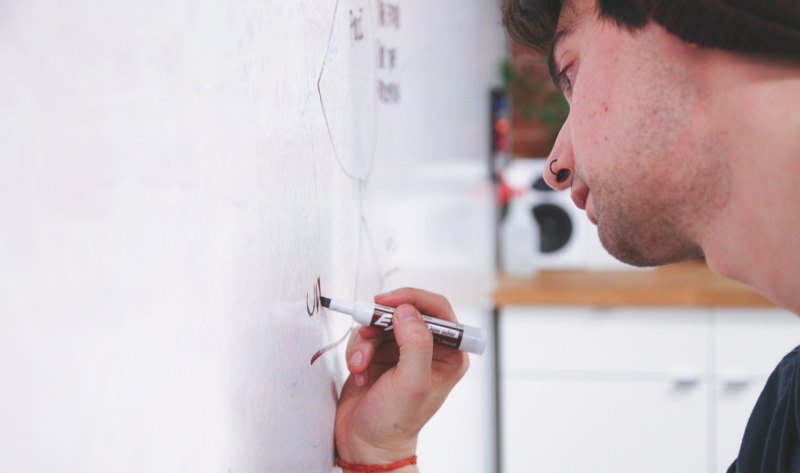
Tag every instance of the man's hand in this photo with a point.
(396, 383)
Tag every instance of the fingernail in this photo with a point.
(406, 313)
(387, 293)
(360, 379)
(562, 175)
(355, 360)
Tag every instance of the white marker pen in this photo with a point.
(450, 334)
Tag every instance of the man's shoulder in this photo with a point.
(786, 371)
(770, 442)
(781, 383)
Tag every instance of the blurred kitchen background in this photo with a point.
(592, 365)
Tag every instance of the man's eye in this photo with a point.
(565, 80)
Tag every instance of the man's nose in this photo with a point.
(560, 164)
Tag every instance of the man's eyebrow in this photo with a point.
(552, 67)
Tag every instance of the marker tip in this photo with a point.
(325, 302)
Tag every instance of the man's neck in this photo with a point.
(754, 238)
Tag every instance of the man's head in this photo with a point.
(645, 146)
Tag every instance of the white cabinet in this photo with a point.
(590, 425)
(655, 390)
(623, 341)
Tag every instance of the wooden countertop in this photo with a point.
(690, 284)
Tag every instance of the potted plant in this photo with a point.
(538, 109)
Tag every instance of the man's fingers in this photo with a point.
(413, 349)
(360, 351)
(370, 332)
(426, 302)
(415, 343)
(386, 354)
(361, 332)
(448, 364)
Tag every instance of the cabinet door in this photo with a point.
(614, 341)
(751, 342)
(748, 344)
(592, 425)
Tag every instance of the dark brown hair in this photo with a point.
(533, 22)
(754, 26)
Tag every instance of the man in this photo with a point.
(683, 140)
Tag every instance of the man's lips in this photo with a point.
(580, 192)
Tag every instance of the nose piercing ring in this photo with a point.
(551, 167)
(562, 175)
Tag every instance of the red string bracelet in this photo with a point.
(412, 460)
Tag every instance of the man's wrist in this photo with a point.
(406, 465)
(356, 452)
(403, 469)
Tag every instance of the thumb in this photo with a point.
(416, 348)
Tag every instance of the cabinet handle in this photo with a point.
(686, 378)
(736, 381)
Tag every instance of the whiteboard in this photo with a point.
(178, 182)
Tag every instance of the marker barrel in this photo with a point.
(451, 334)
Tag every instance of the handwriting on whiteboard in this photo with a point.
(388, 88)
(312, 307)
(357, 24)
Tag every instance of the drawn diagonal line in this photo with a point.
(331, 346)
(373, 149)
(322, 102)
(372, 248)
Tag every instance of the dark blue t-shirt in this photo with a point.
(770, 443)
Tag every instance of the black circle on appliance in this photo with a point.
(541, 185)
(555, 226)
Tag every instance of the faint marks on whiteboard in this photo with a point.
(357, 24)
(390, 247)
(388, 14)
(312, 307)
(346, 88)
(370, 273)
(388, 86)
(388, 92)
(387, 56)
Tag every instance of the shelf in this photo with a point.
(690, 284)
